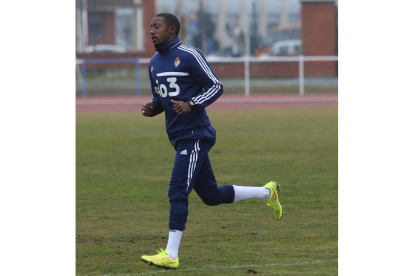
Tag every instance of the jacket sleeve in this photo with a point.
(204, 75)
(156, 99)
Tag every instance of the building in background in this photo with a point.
(217, 27)
(224, 20)
(109, 29)
(105, 26)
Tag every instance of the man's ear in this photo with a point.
(171, 30)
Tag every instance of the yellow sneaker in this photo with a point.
(273, 201)
(161, 259)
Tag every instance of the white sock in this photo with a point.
(174, 239)
(243, 193)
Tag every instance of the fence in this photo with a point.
(121, 77)
(254, 46)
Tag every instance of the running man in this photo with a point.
(183, 85)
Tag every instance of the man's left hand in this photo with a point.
(181, 107)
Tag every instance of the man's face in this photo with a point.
(159, 32)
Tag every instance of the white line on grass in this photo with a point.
(210, 267)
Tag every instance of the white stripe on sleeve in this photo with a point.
(217, 84)
(213, 90)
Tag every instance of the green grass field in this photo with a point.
(124, 163)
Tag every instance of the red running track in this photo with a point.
(228, 102)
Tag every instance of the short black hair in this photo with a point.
(170, 20)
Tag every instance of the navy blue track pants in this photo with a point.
(192, 169)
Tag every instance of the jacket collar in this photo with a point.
(165, 47)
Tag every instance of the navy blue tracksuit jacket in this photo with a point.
(181, 73)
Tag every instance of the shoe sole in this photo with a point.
(281, 204)
(160, 266)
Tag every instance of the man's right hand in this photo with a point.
(147, 109)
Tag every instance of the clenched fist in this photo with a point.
(147, 109)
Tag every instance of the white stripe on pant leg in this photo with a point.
(190, 166)
(197, 149)
(193, 163)
(189, 169)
